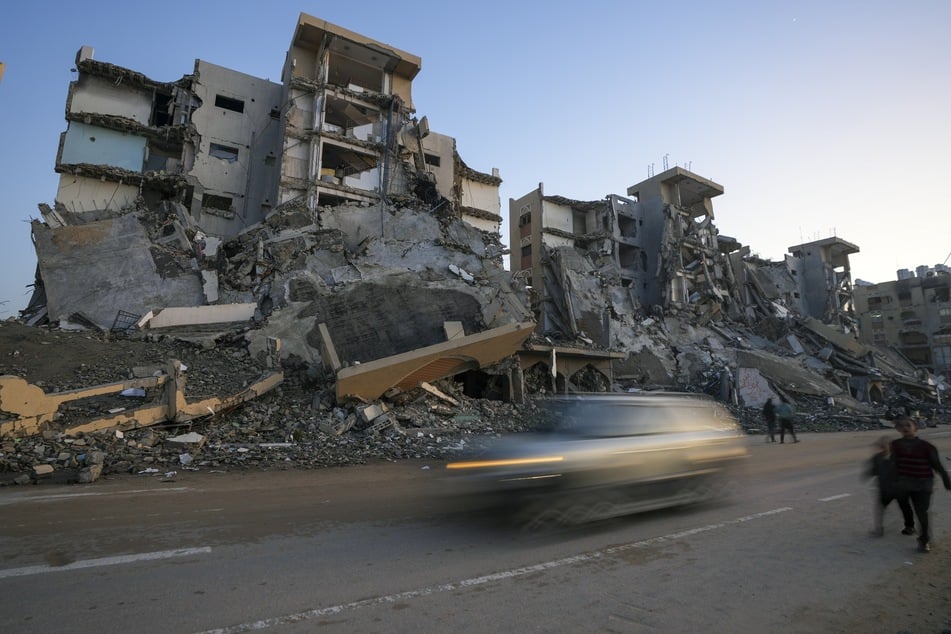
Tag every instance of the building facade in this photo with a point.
(210, 140)
(660, 239)
(912, 314)
(339, 130)
(661, 247)
(824, 279)
(351, 135)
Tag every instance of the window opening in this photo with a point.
(229, 103)
(223, 152)
(211, 201)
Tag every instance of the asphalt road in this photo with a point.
(370, 549)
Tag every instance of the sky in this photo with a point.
(819, 119)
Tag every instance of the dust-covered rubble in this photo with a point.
(298, 425)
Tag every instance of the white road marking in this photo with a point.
(65, 496)
(476, 581)
(105, 561)
(835, 497)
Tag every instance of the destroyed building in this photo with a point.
(321, 208)
(821, 269)
(912, 313)
(649, 278)
(659, 246)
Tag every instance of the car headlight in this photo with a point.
(507, 462)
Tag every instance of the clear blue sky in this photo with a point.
(819, 118)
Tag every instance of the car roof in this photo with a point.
(647, 398)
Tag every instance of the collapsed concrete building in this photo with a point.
(320, 208)
(650, 277)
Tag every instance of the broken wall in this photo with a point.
(93, 94)
(103, 267)
(236, 162)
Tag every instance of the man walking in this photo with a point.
(769, 413)
(785, 413)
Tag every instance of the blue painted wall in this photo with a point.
(99, 146)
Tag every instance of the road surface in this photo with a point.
(371, 549)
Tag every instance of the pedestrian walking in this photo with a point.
(916, 462)
(769, 414)
(881, 467)
(785, 413)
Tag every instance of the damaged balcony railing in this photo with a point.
(34, 409)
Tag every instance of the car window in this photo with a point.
(602, 420)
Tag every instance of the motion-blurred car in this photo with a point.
(607, 455)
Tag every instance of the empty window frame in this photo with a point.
(432, 159)
(221, 203)
(229, 103)
(942, 356)
(941, 294)
(223, 152)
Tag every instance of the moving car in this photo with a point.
(607, 454)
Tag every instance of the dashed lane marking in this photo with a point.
(53, 497)
(835, 497)
(105, 561)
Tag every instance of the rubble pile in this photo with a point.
(299, 424)
(292, 427)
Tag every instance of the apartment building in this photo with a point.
(352, 137)
(210, 140)
(824, 278)
(680, 236)
(912, 314)
(660, 238)
(340, 129)
(661, 246)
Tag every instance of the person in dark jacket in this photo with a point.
(785, 413)
(916, 462)
(769, 414)
(881, 467)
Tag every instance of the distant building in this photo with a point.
(675, 217)
(659, 246)
(660, 239)
(824, 278)
(912, 314)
